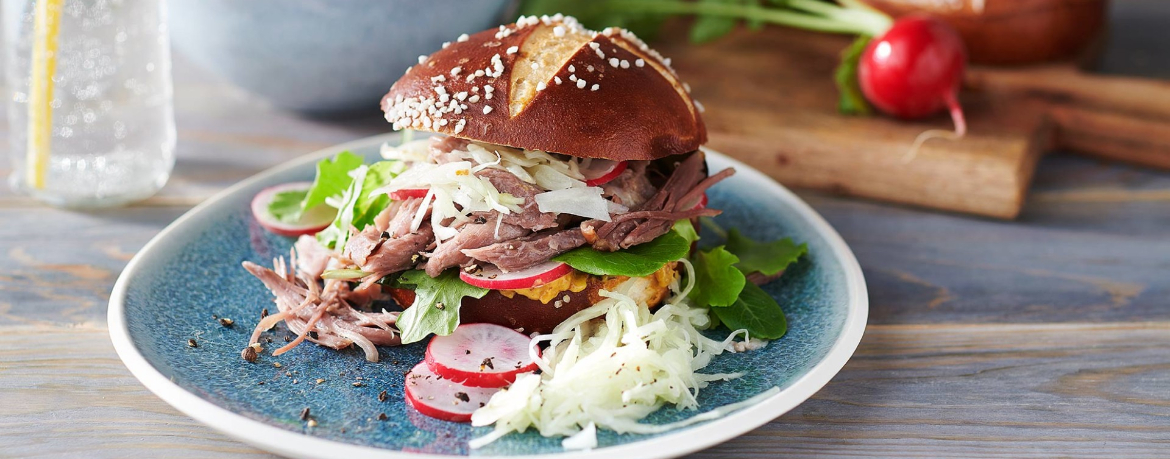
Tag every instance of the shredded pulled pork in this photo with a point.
(527, 251)
(529, 217)
(678, 199)
(323, 315)
(333, 312)
(471, 236)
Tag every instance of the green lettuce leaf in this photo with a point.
(368, 206)
(436, 305)
(757, 312)
(685, 229)
(768, 258)
(717, 281)
(637, 261)
(286, 205)
(333, 177)
(358, 205)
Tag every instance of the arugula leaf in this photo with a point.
(286, 205)
(765, 257)
(637, 261)
(721, 283)
(708, 28)
(852, 101)
(717, 282)
(436, 304)
(757, 312)
(358, 207)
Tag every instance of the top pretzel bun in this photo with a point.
(549, 84)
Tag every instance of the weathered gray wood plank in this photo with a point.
(1090, 247)
(1075, 390)
(58, 267)
(1078, 253)
(979, 390)
(65, 393)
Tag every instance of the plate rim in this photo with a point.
(293, 444)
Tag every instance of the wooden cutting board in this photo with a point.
(770, 102)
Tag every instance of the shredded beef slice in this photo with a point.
(361, 245)
(325, 311)
(399, 225)
(288, 293)
(382, 220)
(632, 187)
(441, 149)
(674, 201)
(471, 236)
(530, 216)
(312, 257)
(399, 253)
(517, 254)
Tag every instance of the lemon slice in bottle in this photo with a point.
(47, 21)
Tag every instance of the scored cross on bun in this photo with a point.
(549, 84)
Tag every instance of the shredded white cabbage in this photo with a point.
(585, 202)
(612, 372)
(455, 192)
(413, 151)
(585, 439)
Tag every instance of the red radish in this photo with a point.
(480, 355)
(491, 277)
(914, 70)
(312, 221)
(601, 171)
(407, 193)
(440, 398)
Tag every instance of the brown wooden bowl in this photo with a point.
(1013, 32)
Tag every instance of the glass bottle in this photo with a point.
(107, 116)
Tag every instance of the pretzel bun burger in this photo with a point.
(591, 133)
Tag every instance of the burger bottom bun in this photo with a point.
(528, 316)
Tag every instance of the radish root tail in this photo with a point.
(959, 132)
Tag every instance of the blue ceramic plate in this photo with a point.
(190, 274)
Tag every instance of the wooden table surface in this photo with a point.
(1047, 336)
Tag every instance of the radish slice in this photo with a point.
(491, 277)
(702, 204)
(480, 355)
(440, 398)
(407, 193)
(602, 170)
(312, 221)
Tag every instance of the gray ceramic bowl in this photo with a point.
(321, 56)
